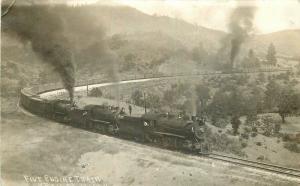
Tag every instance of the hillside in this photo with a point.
(141, 42)
(286, 42)
(129, 20)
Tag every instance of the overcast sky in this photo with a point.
(271, 15)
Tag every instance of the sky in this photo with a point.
(270, 15)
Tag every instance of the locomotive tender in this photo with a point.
(168, 131)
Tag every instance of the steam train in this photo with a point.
(165, 130)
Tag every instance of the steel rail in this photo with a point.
(258, 165)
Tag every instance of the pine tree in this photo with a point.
(251, 61)
(271, 55)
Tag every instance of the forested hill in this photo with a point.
(127, 20)
(287, 42)
(143, 43)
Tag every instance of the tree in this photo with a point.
(253, 102)
(288, 102)
(199, 54)
(95, 92)
(129, 62)
(261, 77)
(251, 61)
(217, 109)
(203, 95)
(169, 97)
(236, 108)
(137, 97)
(153, 101)
(271, 95)
(235, 122)
(298, 67)
(117, 41)
(271, 55)
(282, 98)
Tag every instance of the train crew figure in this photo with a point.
(85, 119)
(122, 111)
(130, 109)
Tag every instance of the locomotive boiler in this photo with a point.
(176, 132)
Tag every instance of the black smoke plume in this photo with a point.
(240, 25)
(44, 29)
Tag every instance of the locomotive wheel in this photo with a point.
(157, 141)
(111, 130)
(104, 129)
(176, 143)
(90, 126)
(179, 144)
(172, 142)
(148, 138)
(101, 129)
(83, 126)
(167, 142)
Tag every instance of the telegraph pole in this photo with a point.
(87, 88)
(145, 102)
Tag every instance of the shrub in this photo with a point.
(245, 135)
(221, 123)
(285, 137)
(267, 126)
(247, 129)
(223, 143)
(253, 134)
(254, 129)
(292, 146)
(244, 145)
(95, 92)
(260, 158)
(277, 128)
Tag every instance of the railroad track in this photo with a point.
(258, 165)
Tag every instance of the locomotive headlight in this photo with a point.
(146, 124)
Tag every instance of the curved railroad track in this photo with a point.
(234, 160)
(256, 164)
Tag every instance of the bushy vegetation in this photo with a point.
(223, 143)
(95, 92)
(224, 100)
(292, 146)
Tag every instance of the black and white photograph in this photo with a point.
(150, 93)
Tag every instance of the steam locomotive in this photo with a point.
(165, 130)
